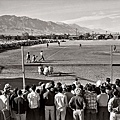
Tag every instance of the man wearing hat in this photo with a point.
(49, 102)
(4, 99)
(77, 104)
(6, 95)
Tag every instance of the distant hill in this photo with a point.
(13, 25)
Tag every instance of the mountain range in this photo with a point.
(13, 25)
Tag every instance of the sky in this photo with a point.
(102, 14)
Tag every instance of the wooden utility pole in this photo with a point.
(23, 67)
(111, 62)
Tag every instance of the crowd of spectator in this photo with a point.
(16, 44)
(50, 101)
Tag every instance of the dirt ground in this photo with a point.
(90, 62)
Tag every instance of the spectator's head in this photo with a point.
(79, 86)
(48, 86)
(59, 84)
(73, 86)
(102, 89)
(93, 88)
(38, 91)
(7, 87)
(76, 82)
(69, 88)
(78, 91)
(19, 92)
(27, 87)
(59, 89)
(98, 83)
(108, 88)
(52, 89)
(33, 88)
(89, 88)
(108, 80)
(76, 79)
(117, 82)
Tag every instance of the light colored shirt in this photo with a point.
(33, 99)
(46, 70)
(102, 99)
(2, 105)
(5, 101)
(41, 53)
(60, 101)
(114, 105)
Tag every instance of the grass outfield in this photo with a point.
(89, 62)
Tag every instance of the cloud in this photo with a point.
(93, 17)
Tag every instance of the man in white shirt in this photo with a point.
(34, 103)
(61, 104)
(46, 71)
(102, 100)
(4, 100)
(114, 106)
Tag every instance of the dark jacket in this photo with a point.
(77, 102)
(20, 105)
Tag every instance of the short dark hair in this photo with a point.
(38, 90)
(90, 88)
(69, 88)
(19, 92)
(102, 89)
(27, 87)
(59, 89)
(107, 79)
(59, 84)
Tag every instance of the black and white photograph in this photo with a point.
(59, 59)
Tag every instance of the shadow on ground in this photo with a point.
(84, 79)
(1, 68)
(61, 74)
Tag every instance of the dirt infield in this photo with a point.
(90, 62)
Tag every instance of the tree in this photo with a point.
(25, 35)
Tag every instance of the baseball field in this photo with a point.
(89, 62)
